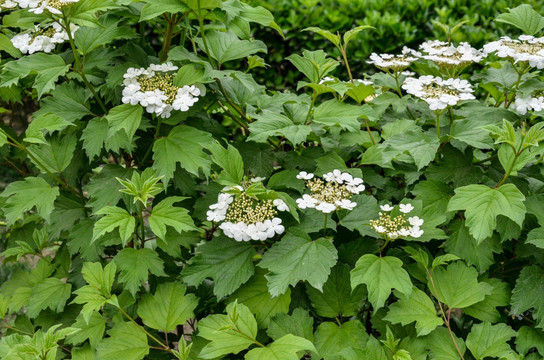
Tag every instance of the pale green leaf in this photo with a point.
(486, 310)
(441, 346)
(231, 164)
(229, 334)
(536, 237)
(523, 17)
(418, 308)
(92, 330)
(269, 124)
(284, 348)
(55, 155)
(26, 194)
(331, 339)
(482, 204)
(126, 117)
(529, 338)
(381, 275)
(165, 214)
(486, 340)
(154, 8)
(226, 46)
(296, 257)
(348, 35)
(48, 122)
(47, 67)
(168, 307)
(457, 285)
(49, 293)
(334, 113)
(300, 323)
(115, 218)
(335, 39)
(126, 341)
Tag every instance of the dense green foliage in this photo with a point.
(135, 145)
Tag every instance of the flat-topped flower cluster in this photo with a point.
(526, 48)
(43, 38)
(154, 89)
(331, 193)
(437, 92)
(38, 6)
(245, 218)
(393, 227)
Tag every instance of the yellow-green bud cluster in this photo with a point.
(249, 210)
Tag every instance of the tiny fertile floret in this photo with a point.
(245, 218)
(154, 89)
(392, 227)
(331, 193)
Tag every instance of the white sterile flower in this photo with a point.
(394, 62)
(154, 89)
(363, 81)
(406, 208)
(380, 229)
(303, 175)
(275, 226)
(346, 204)
(416, 232)
(524, 104)
(43, 38)
(329, 176)
(404, 232)
(386, 207)
(306, 201)
(8, 4)
(447, 55)
(216, 216)
(355, 186)
(257, 179)
(326, 79)
(280, 205)
(415, 221)
(526, 48)
(325, 207)
(437, 92)
(393, 235)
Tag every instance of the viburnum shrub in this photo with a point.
(159, 203)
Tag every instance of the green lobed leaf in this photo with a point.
(55, 155)
(299, 323)
(486, 340)
(523, 17)
(296, 257)
(154, 8)
(486, 310)
(528, 294)
(47, 67)
(231, 164)
(228, 334)
(184, 145)
(115, 218)
(254, 294)
(381, 275)
(126, 117)
(331, 339)
(336, 298)
(226, 46)
(418, 308)
(92, 330)
(285, 348)
(49, 293)
(457, 285)
(135, 266)
(23, 195)
(165, 214)
(225, 260)
(126, 341)
(482, 204)
(168, 307)
(272, 124)
(529, 338)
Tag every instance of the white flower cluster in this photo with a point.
(44, 39)
(526, 48)
(394, 62)
(332, 194)
(7, 4)
(395, 227)
(247, 219)
(524, 104)
(437, 92)
(38, 6)
(153, 88)
(444, 54)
